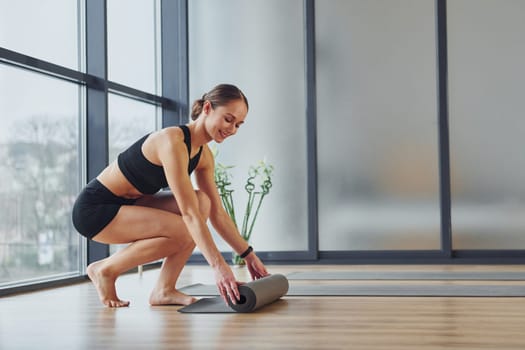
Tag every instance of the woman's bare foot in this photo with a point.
(171, 297)
(105, 286)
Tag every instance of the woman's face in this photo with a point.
(224, 121)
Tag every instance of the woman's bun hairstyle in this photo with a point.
(220, 95)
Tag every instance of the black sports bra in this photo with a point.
(147, 177)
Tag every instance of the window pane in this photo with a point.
(377, 125)
(39, 175)
(47, 29)
(258, 46)
(129, 120)
(132, 43)
(487, 128)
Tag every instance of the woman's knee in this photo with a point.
(204, 203)
(186, 242)
(179, 240)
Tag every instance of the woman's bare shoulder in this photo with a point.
(172, 133)
(163, 142)
(165, 138)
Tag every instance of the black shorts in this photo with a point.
(95, 207)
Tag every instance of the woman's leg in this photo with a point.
(164, 292)
(156, 231)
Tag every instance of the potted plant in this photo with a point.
(257, 186)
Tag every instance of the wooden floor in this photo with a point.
(72, 318)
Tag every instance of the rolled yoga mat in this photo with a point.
(253, 295)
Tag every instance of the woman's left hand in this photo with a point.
(255, 266)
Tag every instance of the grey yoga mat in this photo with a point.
(254, 295)
(408, 275)
(409, 290)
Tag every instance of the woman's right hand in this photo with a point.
(227, 284)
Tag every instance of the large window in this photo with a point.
(60, 126)
(40, 175)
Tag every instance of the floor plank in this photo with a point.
(71, 317)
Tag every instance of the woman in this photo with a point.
(124, 204)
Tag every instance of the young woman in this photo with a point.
(124, 204)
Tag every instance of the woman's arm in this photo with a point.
(173, 155)
(220, 219)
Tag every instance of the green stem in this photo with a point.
(255, 216)
(247, 212)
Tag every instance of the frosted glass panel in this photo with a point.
(377, 125)
(258, 46)
(487, 128)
